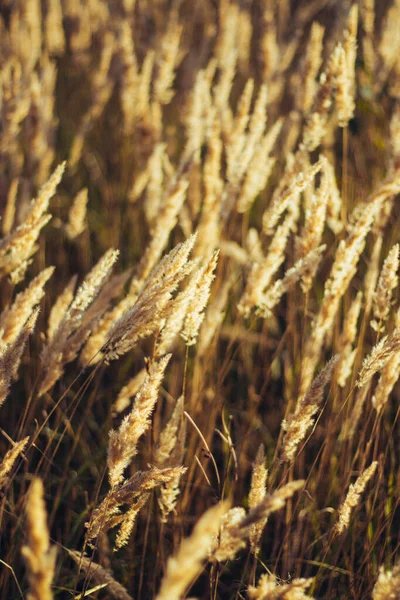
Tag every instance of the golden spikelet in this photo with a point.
(40, 557)
(387, 585)
(257, 493)
(13, 319)
(170, 451)
(313, 63)
(195, 313)
(10, 355)
(283, 200)
(9, 460)
(70, 335)
(77, 215)
(379, 356)
(108, 514)
(387, 282)
(296, 428)
(150, 308)
(353, 498)
(123, 442)
(229, 543)
(19, 245)
(183, 568)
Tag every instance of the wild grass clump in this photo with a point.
(199, 301)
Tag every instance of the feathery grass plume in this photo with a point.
(371, 276)
(9, 211)
(345, 343)
(18, 246)
(122, 445)
(387, 586)
(128, 88)
(262, 272)
(177, 313)
(237, 136)
(270, 588)
(304, 266)
(170, 451)
(209, 225)
(257, 175)
(287, 196)
(334, 203)
(315, 214)
(147, 313)
(183, 568)
(13, 318)
(92, 351)
(60, 307)
(254, 136)
(195, 313)
(97, 574)
(77, 215)
(353, 497)
(197, 112)
(65, 344)
(313, 61)
(128, 521)
(379, 356)
(9, 460)
(350, 43)
(40, 557)
(226, 53)
(54, 32)
(269, 48)
(317, 121)
(170, 56)
(367, 15)
(128, 391)
(387, 282)
(388, 378)
(108, 514)
(344, 98)
(10, 355)
(345, 78)
(258, 491)
(111, 289)
(228, 543)
(304, 416)
(143, 86)
(166, 221)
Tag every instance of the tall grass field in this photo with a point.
(199, 299)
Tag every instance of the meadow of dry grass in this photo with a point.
(199, 300)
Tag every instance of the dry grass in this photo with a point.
(199, 301)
